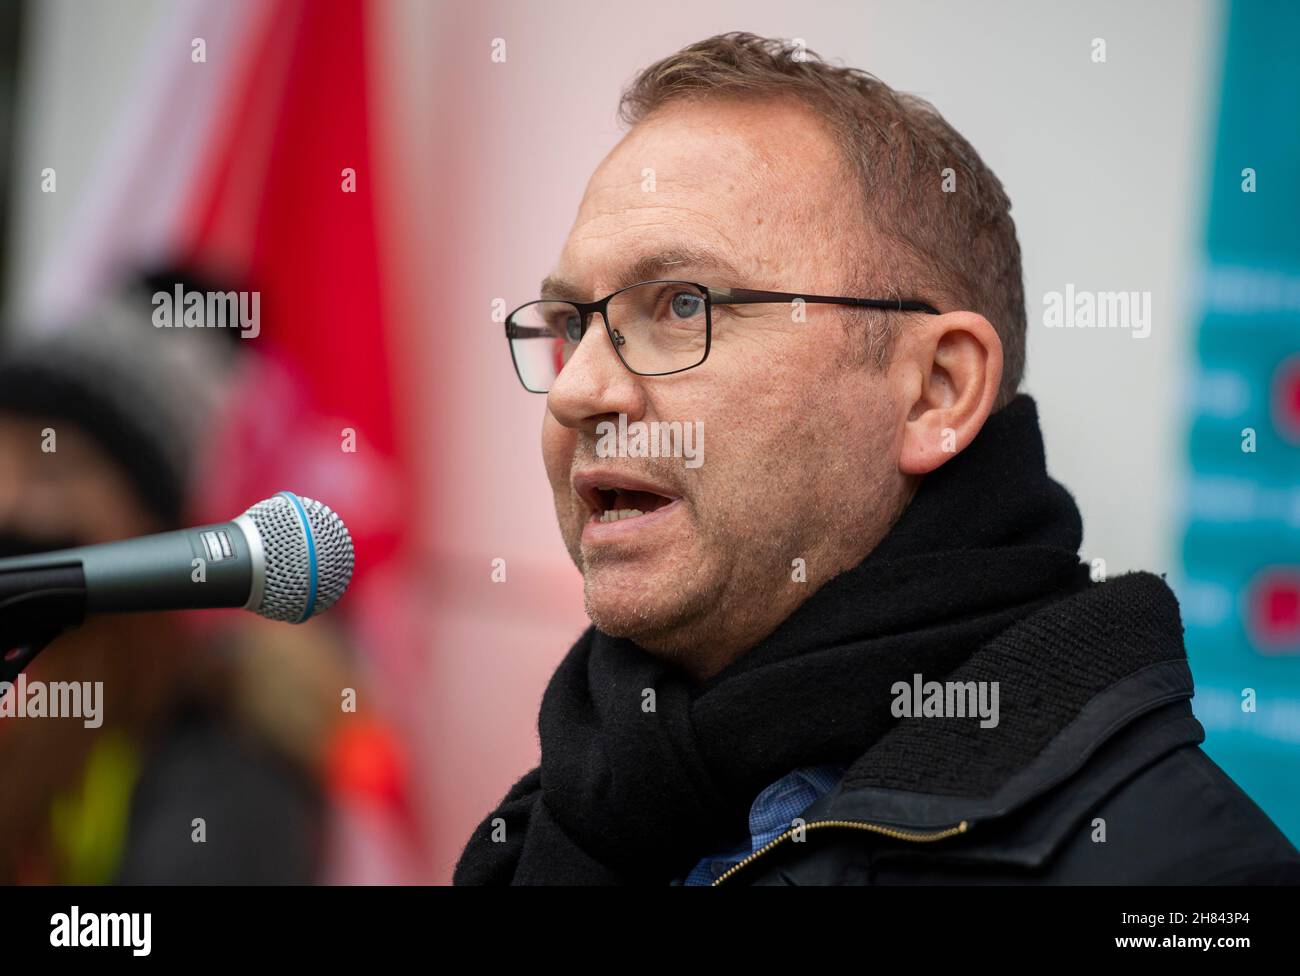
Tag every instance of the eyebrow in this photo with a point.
(649, 267)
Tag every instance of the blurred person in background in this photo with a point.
(232, 728)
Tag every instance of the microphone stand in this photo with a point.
(36, 606)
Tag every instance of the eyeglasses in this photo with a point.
(657, 327)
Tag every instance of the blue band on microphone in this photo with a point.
(311, 552)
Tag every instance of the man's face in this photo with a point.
(801, 439)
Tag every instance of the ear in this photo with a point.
(953, 369)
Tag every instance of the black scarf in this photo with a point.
(629, 796)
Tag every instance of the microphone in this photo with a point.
(286, 558)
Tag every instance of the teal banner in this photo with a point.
(1240, 589)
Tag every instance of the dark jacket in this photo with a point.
(1122, 794)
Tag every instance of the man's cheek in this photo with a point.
(557, 453)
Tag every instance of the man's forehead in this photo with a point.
(711, 191)
(688, 156)
(710, 135)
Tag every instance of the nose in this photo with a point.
(594, 385)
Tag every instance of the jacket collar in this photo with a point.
(1087, 710)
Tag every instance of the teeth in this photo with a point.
(617, 514)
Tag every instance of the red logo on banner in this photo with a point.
(1286, 399)
(1274, 616)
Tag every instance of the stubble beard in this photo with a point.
(709, 615)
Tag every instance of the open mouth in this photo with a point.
(614, 497)
(616, 504)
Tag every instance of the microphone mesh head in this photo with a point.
(288, 593)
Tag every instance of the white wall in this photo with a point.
(80, 62)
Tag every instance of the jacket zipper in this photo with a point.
(891, 832)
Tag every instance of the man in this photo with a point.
(858, 644)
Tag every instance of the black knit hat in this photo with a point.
(119, 384)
